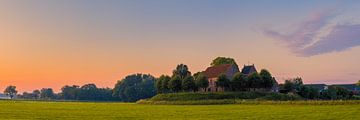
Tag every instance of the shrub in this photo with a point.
(280, 97)
(206, 96)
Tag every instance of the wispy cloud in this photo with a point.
(314, 36)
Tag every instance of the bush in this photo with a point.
(206, 96)
(280, 97)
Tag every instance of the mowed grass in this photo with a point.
(108, 111)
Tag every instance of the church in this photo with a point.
(212, 73)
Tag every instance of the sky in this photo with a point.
(49, 44)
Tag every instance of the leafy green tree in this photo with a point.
(335, 93)
(175, 84)
(268, 80)
(254, 81)
(70, 92)
(188, 84)
(223, 82)
(182, 71)
(36, 94)
(88, 92)
(158, 84)
(104, 94)
(293, 85)
(309, 92)
(238, 82)
(11, 91)
(343, 93)
(223, 60)
(201, 81)
(162, 84)
(329, 94)
(165, 84)
(358, 83)
(135, 87)
(197, 74)
(47, 93)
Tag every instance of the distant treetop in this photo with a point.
(223, 60)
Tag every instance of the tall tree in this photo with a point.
(135, 87)
(11, 91)
(358, 83)
(197, 74)
(165, 84)
(238, 82)
(293, 85)
(201, 81)
(308, 92)
(182, 71)
(70, 92)
(47, 93)
(188, 84)
(175, 84)
(254, 81)
(162, 84)
(267, 79)
(223, 82)
(36, 94)
(88, 92)
(223, 60)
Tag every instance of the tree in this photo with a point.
(293, 85)
(88, 92)
(70, 92)
(175, 84)
(46, 93)
(162, 84)
(223, 60)
(268, 80)
(165, 84)
(254, 81)
(335, 92)
(308, 92)
(11, 91)
(188, 84)
(201, 81)
(182, 71)
(36, 94)
(135, 87)
(358, 83)
(238, 82)
(197, 74)
(223, 82)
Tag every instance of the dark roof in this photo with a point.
(248, 69)
(348, 86)
(215, 71)
(316, 86)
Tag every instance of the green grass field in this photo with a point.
(106, 111)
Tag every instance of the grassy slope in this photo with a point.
(82, 110)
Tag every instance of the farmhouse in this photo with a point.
(212, 73)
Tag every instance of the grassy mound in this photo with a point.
(217, 98)
(207, 96)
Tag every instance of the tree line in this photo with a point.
(131, 88)
(183, 81)
(296, 86)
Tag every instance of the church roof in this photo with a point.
(215, 71)
(248, 69)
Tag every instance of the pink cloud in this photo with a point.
(302, 41)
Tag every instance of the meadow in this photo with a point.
(114, 110)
